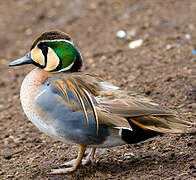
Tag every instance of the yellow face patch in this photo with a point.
(52, 60)
(37, 56)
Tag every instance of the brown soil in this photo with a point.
(163, 68)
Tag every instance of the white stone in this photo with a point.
(135, 44)
(187, 36)
(121, 34)
(1, 106)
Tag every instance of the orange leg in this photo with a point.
(74, 163)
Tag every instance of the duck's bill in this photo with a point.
(24, 60)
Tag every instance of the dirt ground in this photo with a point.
(163, 68)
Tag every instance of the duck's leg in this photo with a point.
(74, 163)
(90, 158)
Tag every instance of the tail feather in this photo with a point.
(145, 127)
(161, 124)
(139, 133)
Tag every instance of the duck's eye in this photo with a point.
(38, 56)
(42, 46)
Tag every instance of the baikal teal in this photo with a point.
(80, 108)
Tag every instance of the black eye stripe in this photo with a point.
(45, 52)
(41, 45)
(44, 49)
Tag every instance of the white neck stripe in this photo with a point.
(67, 68)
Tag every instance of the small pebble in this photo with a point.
(128, 155)
(193, 52)
(192, 106)
(121, 34)
(181, 105)
(187, 36)
(10, 176)
(148, 92)
(1, 106)
(192, 167)
(170, 46)
(135, 44)
(18, 139)
(172, 95)
(7, 156)
(191, 159)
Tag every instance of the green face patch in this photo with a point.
(65, 51)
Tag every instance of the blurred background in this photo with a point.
(145, 46)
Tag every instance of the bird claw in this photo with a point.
(84, 162)
(69, 163)
(88, 161)
(63, 170)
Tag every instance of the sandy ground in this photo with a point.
(162, 68)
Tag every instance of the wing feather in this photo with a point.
(65, 83)
(118, 108)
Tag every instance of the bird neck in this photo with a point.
(77, 63)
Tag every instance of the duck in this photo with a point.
(80, 108)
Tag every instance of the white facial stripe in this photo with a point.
(52, 60)
(37, 56)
